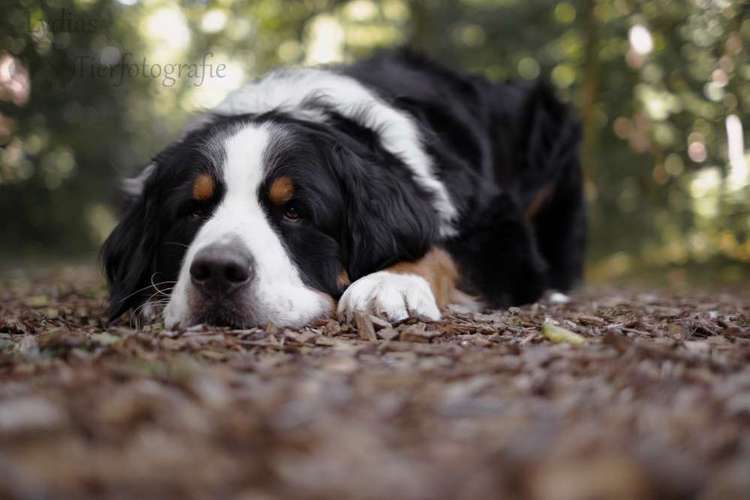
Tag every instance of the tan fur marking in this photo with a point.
(438, 268)
(538, 201)
(343, 280)
(282, 190)
(204, 187)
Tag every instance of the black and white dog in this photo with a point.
(392, 186)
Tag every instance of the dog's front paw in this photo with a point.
(392, 296)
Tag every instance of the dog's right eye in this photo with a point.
(195, 211)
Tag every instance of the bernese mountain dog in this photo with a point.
(392, 186)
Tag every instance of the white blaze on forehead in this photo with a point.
(294, 90)
(278, 293)
(240, 211)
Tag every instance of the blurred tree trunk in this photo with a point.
(421, 26)
(431, 23)
(589, 88)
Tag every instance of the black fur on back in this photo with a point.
(500, 148)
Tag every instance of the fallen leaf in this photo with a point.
(561, 335)
(365, 328)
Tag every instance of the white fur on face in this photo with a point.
(277, 294)
(291, 90)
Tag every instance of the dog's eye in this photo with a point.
(195, 211)
(292, 213)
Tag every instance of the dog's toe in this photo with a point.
(393, 296)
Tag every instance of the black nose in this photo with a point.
(222, 267)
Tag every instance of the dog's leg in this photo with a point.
(408, 289)
(499, 257)
(560, 228)
(549, 185)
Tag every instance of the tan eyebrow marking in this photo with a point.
(281, 191)
(203, 187)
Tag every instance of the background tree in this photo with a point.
(661, 86)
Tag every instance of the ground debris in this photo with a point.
(561, 335)
(365, 327)
(655, 403)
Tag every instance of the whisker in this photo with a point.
(152, 300)
(139, 318)
(176, 243)
(154, 285)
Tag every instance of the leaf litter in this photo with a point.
(637, 395)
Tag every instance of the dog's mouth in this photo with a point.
(240, 312)
(222, 312)
(222, 318)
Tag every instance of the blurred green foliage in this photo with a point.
(663, 88)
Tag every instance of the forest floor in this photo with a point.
(655, 403)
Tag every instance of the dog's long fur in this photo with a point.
(397, 173)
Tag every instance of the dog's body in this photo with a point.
(392, 186)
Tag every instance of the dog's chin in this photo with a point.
(239, 317)
(224, 313)
(224, 317)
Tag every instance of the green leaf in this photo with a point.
(561, 335)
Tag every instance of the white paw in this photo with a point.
(393, 296)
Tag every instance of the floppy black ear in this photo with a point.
(547, 140)
(388, 217)
(125, 254)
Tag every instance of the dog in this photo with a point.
(392, 186)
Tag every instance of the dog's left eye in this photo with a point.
(292, 213)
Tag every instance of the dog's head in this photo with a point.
(263, 218)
